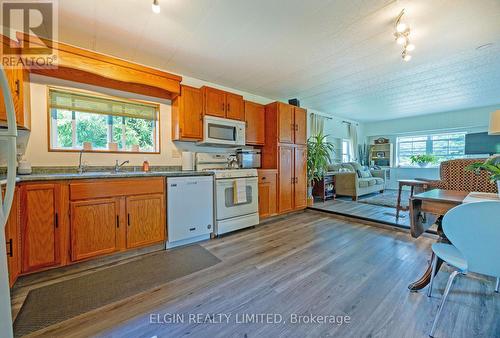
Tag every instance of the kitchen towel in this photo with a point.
(240, 191)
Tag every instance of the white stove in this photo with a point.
(236, 192)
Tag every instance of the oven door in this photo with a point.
(226, 208)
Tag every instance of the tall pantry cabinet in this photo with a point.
(286, 150)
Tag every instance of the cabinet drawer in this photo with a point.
(116, 187)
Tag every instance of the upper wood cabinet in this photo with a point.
(18, 79)
(40, 226)
(223, 104)
(12, 233)
(300, 121)
(94, 225)
(187, 115)
(287, 123)
(255, 121)
(145, 220)
(234, 107)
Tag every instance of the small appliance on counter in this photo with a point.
(249, 158)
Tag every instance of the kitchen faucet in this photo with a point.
(81, 167)
(118, 166)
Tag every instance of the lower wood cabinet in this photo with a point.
(94, 228)
(267, 192)
(300, 171)
(145, 220)
(40, 235)
(12, 233)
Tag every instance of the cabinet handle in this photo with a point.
(223, 106)
(18, 89)
(56, 220)
(117, 221)
(296, 127)
(264, 177)
(128, 219)
(10, 251)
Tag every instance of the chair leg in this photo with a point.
(445, 295)
(433, 273)
(497, 287)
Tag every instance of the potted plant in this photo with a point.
(318, 157)
(492, 166)
(423, 160)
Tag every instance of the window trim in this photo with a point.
(428, 137)
(101, 151)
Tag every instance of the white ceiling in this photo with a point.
(335, 56)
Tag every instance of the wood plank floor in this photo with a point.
(311, 263)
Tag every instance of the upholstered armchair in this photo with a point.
(453, 176)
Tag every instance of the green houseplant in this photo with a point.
(423, 160)
(319, 151)
(492, 166)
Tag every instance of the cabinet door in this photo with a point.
(286, 178)
(214, 102)
(40, 226)
(285, 123)
(234, 107)
(12, 239)
(145, 220)
(267, 194)
(94, 228)
(300, 126)
(300, 186)
(254, 117)
(187, 112)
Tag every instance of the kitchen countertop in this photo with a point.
(105, 174)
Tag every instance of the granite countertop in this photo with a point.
(52, 176)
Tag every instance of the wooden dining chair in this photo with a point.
(474, 231)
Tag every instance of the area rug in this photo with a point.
(389, 198)
(55, 303)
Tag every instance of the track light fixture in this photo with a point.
(402, 36)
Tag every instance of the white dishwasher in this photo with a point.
(190, 209)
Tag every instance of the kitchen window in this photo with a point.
(82, 120)
(443, 146)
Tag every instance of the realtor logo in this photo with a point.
(29, 29)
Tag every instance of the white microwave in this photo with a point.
(223, 132)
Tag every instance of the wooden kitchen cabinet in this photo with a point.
(12, 237)
(94, 228)
(255, 121)
(223, 104)
(40, 235)
(286, 124)
(267, 192)
(300, 121)
(300, 182)
(187, 115)
(18, 79)
(234, 107)
(285, 178)
(145, 220)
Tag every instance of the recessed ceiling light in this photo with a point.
(156, 6)
(485, 46)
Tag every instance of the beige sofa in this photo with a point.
(348, 182)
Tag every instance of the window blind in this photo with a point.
(73, 101)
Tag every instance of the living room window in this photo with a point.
(83, 120)
(444, 146)
(346, 151)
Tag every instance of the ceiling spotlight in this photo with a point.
(401, 27)
(410, 47)
(156, 6)
(401, 40)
